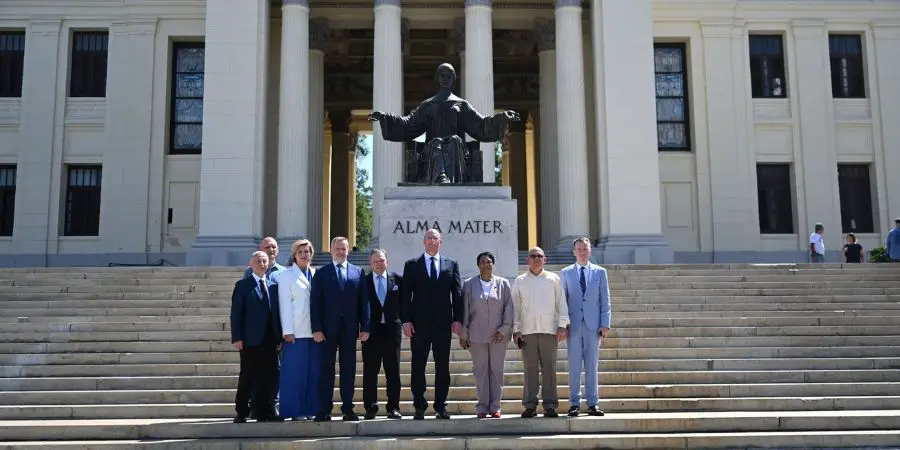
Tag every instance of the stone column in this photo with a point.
(43, 97)
(294, 120)
(819, 200)
(479, 71)
(887, 59)
(234, 113)
(352, 141)
(340, 181)
(628, 133)
(530, 183)
(570, 123)
(735, 226)
(459, 32)
(545, 35)
(387, 157)
(318, 33)
(326, 187)
(128, 156)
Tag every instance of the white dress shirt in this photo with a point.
(437, 263)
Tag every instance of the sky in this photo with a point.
(366, 162)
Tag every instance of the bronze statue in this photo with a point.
(445, 119)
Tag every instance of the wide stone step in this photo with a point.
(659, 422)
(510, 407)
(222, 334)
(630, 441)
(461, 394)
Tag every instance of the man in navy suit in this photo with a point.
(256, 334)
(339, 314)
(431, 307)
(383, 346)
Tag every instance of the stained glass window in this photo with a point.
(672, 112)
(847, 73)
(186, 131)
(767, 66)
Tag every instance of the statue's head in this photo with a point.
(445, 76)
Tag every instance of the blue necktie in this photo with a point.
(582, 282)
(340, 273)
(381, 287)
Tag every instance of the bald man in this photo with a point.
(270, 246)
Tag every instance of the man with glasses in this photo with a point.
(541, 317)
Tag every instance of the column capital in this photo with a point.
(813, 28)
(485, 3)
(717, 28)
(886, 29)
(340, 120)
(304, 3)
(387, 3)
(544, 34)
(318, 33)
(44, 27)
(568, 4)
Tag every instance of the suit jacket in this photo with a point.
(485, 315)
(593, 306)
(425, 301)
(331, 306)
(271, 272)
(391, 307)
(249, 315)
(293, 301)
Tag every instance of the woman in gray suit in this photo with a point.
(487, 327)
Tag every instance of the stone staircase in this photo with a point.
(700, 356)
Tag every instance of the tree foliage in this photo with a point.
(364, 219)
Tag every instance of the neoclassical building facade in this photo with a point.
(666, 130)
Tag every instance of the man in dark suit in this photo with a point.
(431, 308)
(256, 334)
(383, 345)
(339, 314)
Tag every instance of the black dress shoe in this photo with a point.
(322, 419)
(442, 415)
(371, 412)
(270, 419)
(593, 411)
(394, 414)
(550, 412)
(240, 419)
(528, 413)
(351, 417)
(573, 411)
(420, 414)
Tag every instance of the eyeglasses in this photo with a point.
(536, 256)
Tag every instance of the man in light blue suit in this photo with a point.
(587, 294)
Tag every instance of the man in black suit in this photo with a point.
(431, 308)
(256, 334)
(383, 345)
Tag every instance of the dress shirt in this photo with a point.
(377, 280)
(587, 272)
(540, 303)
(256, 279)
(437, 263)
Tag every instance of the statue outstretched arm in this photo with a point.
(487, 129)
(399, 128)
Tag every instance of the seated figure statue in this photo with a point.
(445, 119)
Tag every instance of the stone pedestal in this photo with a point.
(471, 219)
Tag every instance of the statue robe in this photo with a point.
(445, 119)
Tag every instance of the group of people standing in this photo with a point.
(290, 323)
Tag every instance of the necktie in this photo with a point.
(433, 269)
(263, 293)
(308, 275)
(582, 282)
(381, 289)
(340, 274)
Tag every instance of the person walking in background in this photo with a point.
(893, 242)
(486, 330)
(587, 294)
(300, 354)
(541, 317)
(817, 245)
(853, 252)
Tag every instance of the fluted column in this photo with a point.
(234, 124)
(479, 71)
(459, 32)
(570, 123)
(545, 35)
(887, 59)
(293, 118)
(326, 186)
(387, 96)
(318, 33)
(341, 160)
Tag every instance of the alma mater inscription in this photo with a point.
(449, 227)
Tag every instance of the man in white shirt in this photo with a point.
(817, 245)
(541, 317)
